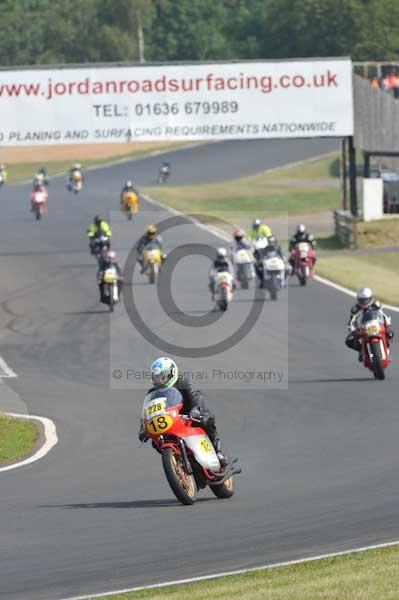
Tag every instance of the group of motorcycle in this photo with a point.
(39, 193)
(271, 266)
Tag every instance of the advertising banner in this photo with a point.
(248, 100)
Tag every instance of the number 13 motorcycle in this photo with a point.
(189, 459)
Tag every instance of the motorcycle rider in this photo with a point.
(221, 264)
(97, 228)
(300, 235)
(240, 243)
(261, 253)
(149, 237)
(75, 169)
(106, 262)
(3, 174)
(39, 181)
(128, 187)
(258, 230)
(365, 301)
(164, 375)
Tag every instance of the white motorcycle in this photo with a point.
(244, 267)
(274, 275)
(223, 289)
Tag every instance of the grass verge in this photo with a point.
(380, 271)
(25, 170)
(17, 438)
(378, 233)
(370, 575)
(310, 188)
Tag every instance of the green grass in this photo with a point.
(17, 438)
(25, 171)
(379, 271)
(296, 190)
(372, 575)
(378, 233)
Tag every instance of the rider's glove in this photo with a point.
(143, 437)
(195, 414)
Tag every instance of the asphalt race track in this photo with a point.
(320, 459)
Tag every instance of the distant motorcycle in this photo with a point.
(111, 289)
(129, 204)
(164, 173)
(373, 338)
(273, 273)
(244, 267)
(39, 200)
(223, 282)
(189, 459)
(304, 260)
(75, 183)
(152, 262)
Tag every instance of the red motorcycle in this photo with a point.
(304, 255)
(373, 338)
(189, 459)
(38, 200)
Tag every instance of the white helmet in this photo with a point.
(364, 297)
(221, 253)
(129, 183)
(256, 223)
(301, 228)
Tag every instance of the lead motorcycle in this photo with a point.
(189, 459)
(376, 352)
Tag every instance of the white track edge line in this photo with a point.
(51, 439)
(8, 372)
(238, 571)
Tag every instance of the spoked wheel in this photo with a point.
(226, 490)
(182, 484)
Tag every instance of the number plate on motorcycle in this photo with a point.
(372, 328)
(155, 407)
(159, 425)
(205, 446)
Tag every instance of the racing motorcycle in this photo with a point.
(273, 273)
(152, 262)
(39, 199)
(244, 267)
(111, 290)
(374, 346)
(189, 459)
(304, 259)
(223, 282)
(99, 246)
(129, 204)
(164, 173)
(75, 182)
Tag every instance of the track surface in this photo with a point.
(320, 460)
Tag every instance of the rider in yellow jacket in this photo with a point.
(258, 230)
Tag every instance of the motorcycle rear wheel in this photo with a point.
(182, 484)
(378, 370)
(226, 490)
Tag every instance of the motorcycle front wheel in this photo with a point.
(378, 369)
(273, 286)
(182, 483)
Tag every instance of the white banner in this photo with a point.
(285, 99)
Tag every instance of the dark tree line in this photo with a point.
(75, 31)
